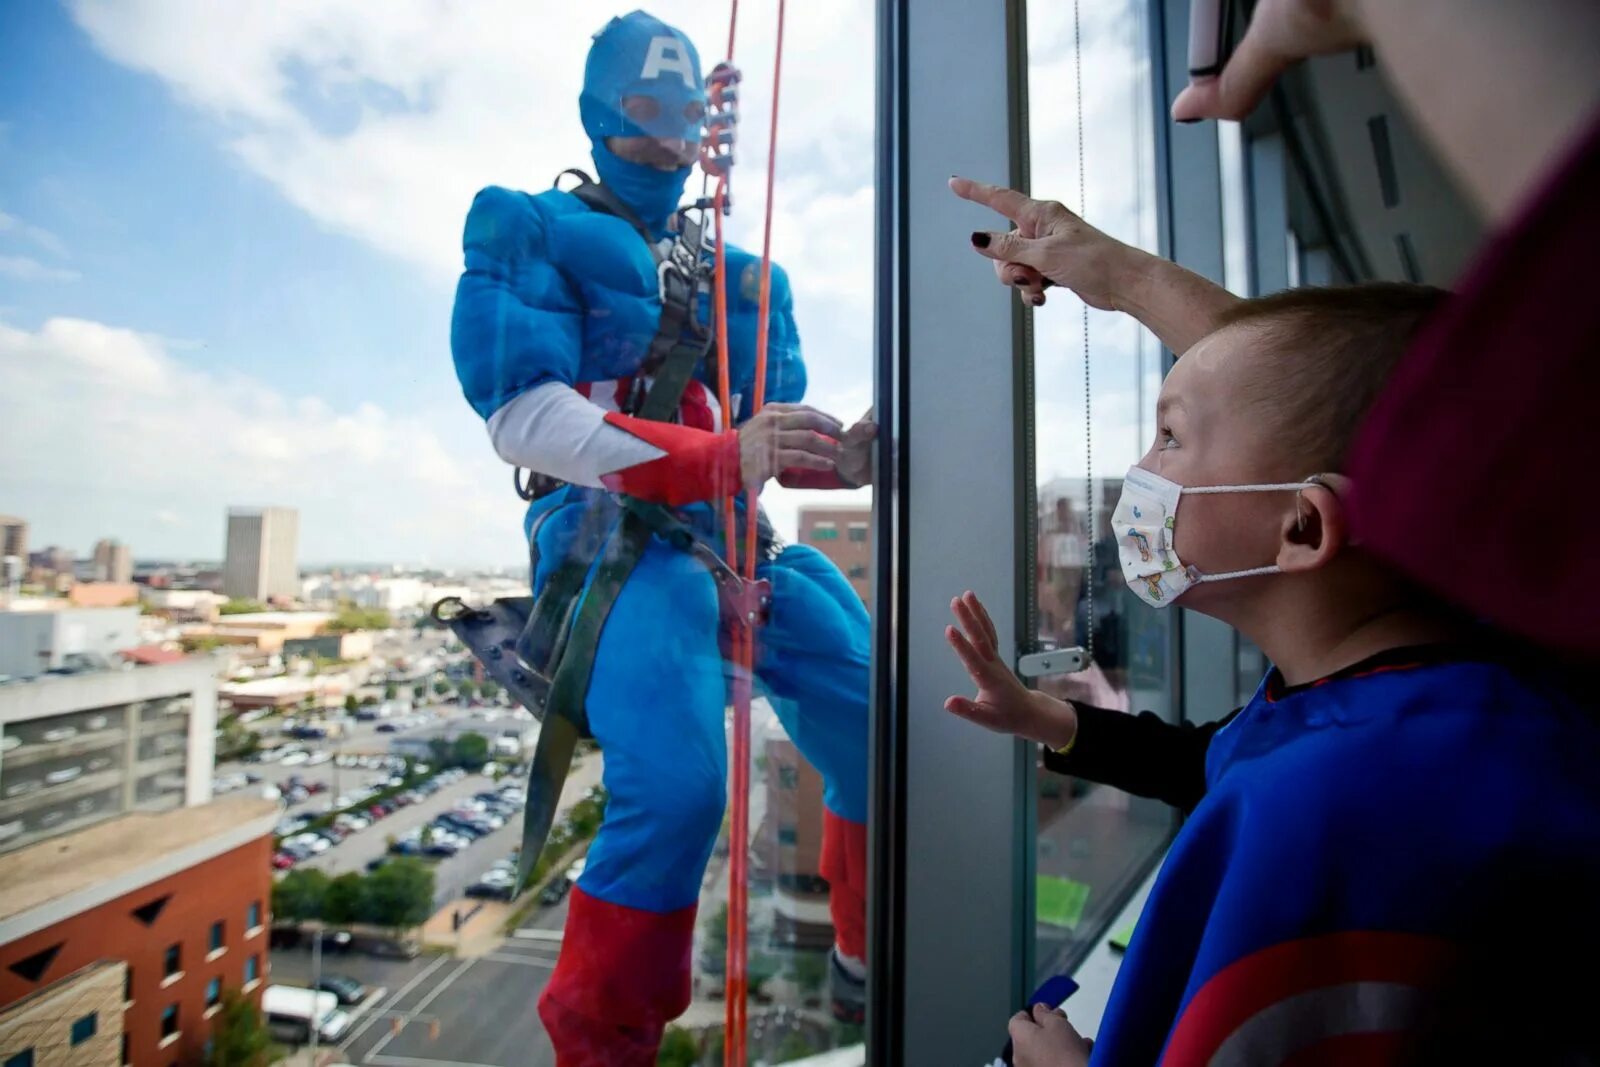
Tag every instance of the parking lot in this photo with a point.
(335, 772)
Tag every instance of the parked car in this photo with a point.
(555, 891)
(282, 860)
(486, 889)
(347, 989)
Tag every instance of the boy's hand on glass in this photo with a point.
(1003, 703)
(1042, 1037)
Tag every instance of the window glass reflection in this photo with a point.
(1093, 843)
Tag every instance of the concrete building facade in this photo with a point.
(262, 553)
(80, 749)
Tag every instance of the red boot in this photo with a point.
(844, 865)
(622, 976)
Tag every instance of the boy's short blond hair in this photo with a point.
(1328, 352)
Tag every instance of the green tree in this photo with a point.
(467, 688)
(491, 689)
(794, 1046)
(241, 606)
(471, 750)
(299, 895)
(351, 703)
(441, 687)
(715, 953)
(236, 741)
(810, 970)
(345, 900)
(420, 693)
(351, 618)
(400, 893)
(678, 1049)
(238, 1036)
(390, 691)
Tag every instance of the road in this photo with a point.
(485, 1007)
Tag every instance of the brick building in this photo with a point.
(844, 535)
(168, 908)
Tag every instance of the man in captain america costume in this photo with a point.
(554, 318)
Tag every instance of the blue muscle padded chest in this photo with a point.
(553, 291)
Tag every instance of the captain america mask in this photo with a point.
(643, 80)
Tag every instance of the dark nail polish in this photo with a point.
(1188, 122)
(980, 239)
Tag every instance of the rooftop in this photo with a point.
(107, 853)
(270, 619)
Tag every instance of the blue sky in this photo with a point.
(229, 235)
(228, 241)
(173, 237)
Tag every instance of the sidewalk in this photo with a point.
(479, 932)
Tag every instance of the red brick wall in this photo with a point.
(223, 889)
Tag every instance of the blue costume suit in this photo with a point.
(556, 292)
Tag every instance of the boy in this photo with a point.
(1397, 792)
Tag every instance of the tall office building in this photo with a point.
(113, 561)
(261, 553)
(13, 537)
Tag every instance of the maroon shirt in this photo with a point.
(1477, 472)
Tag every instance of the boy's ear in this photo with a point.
(1315, 531)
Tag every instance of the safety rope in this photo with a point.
(741, 638)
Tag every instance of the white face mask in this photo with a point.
(1145, 522)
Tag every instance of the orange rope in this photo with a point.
(742, 639)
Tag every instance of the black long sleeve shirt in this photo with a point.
(1139, 754)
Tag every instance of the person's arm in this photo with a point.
(1139, 754)
(1051, 244)
(516, 335)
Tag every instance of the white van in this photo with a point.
(292, 1011)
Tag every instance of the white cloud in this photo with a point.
(28, 269)
(437, 101)
(11, 225)
(382, 128)
(122, 439)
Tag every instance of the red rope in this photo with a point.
(742, 639)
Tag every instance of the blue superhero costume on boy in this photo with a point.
(1357, 839)
(554, 316)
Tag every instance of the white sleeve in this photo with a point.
(553, 430)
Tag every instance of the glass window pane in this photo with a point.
(1093, 843)
(349, 303)
(83, 1029)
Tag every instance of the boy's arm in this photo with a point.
(1139, 754)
